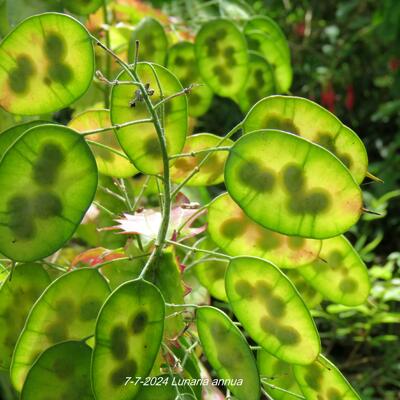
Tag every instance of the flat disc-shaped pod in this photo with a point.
(308, 119)
(275, 55)
(311, 296)
(11, 135)
(222, 58)
(238, 235)
(211, 274)
(140, 141)
(17, 295)
(61, 372)
(271, 29)
(339, 274)
(228, 353)
(292, 186)
(212, 171)
(128, 337)
(322, 380)
(67, 310)
(82, 7)
(260, 82)
(277, 373)
(165, 388)
(108, 163)
(182, 63)
(46, 63)
(153, 41)
(48, 178)
(279, 320)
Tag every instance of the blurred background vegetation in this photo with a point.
(346, 57)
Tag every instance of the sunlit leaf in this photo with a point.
(48, 178)
(322, 378)
(17, 295)
(153, 42)
(228, 352)
(339, 274)
(212, 171)
(279, 320)
(67, 310)
(46, 63)
(222, 59)
(291, 185)
(140, 141)
(61, 372)
(308, 119)
(108, 163)
(235, 233)
(128, 337)
(82, 7)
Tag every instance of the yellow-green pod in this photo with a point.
(82, 7)
(11, 135)
(164, 387)
(271, 29)
(311, 296)
(61, 372)
(128, 337)
(292, 186)
(140, 141)
(313, 122)
(222, 58)
(212, 171)
(228, 353)
(108, 163)
(339, 274)
(182, 63)
(279, 320)
(67, 310)
(46, 63)
(260, 82)
(322, 380)
(277, 373)
(275, 55)
(211, 274)
(153, 42)
(236, 234)
(49, 179)
(17, 295)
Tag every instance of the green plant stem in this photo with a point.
(101, 265)
(298, 396)
(184, 91)
(140, 195)
(195, 153)
(108, 148)
(182, 305)
(201, 163)
(192, 217)
(183, 246)
(108, 59)
(116, 126)
(105, 209)
(111, 193)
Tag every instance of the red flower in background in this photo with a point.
(394, 64)
(328, 96)
(350, 98)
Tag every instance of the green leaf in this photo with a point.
(61, 372)
(292, 186)
(236, 234)
(277, 373)
(17, 295)
(46, 63)
(67, 310)
(260, 82)
(153, 42)
(313, 122)
(339, 274)
(212, 171)
(48, 178)
(128, 337)
(82, 7)
(140, 141)
(279, 320)
(322, 378)
(108, 163)
(222, 58)
(228, 352)
(182, 63)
